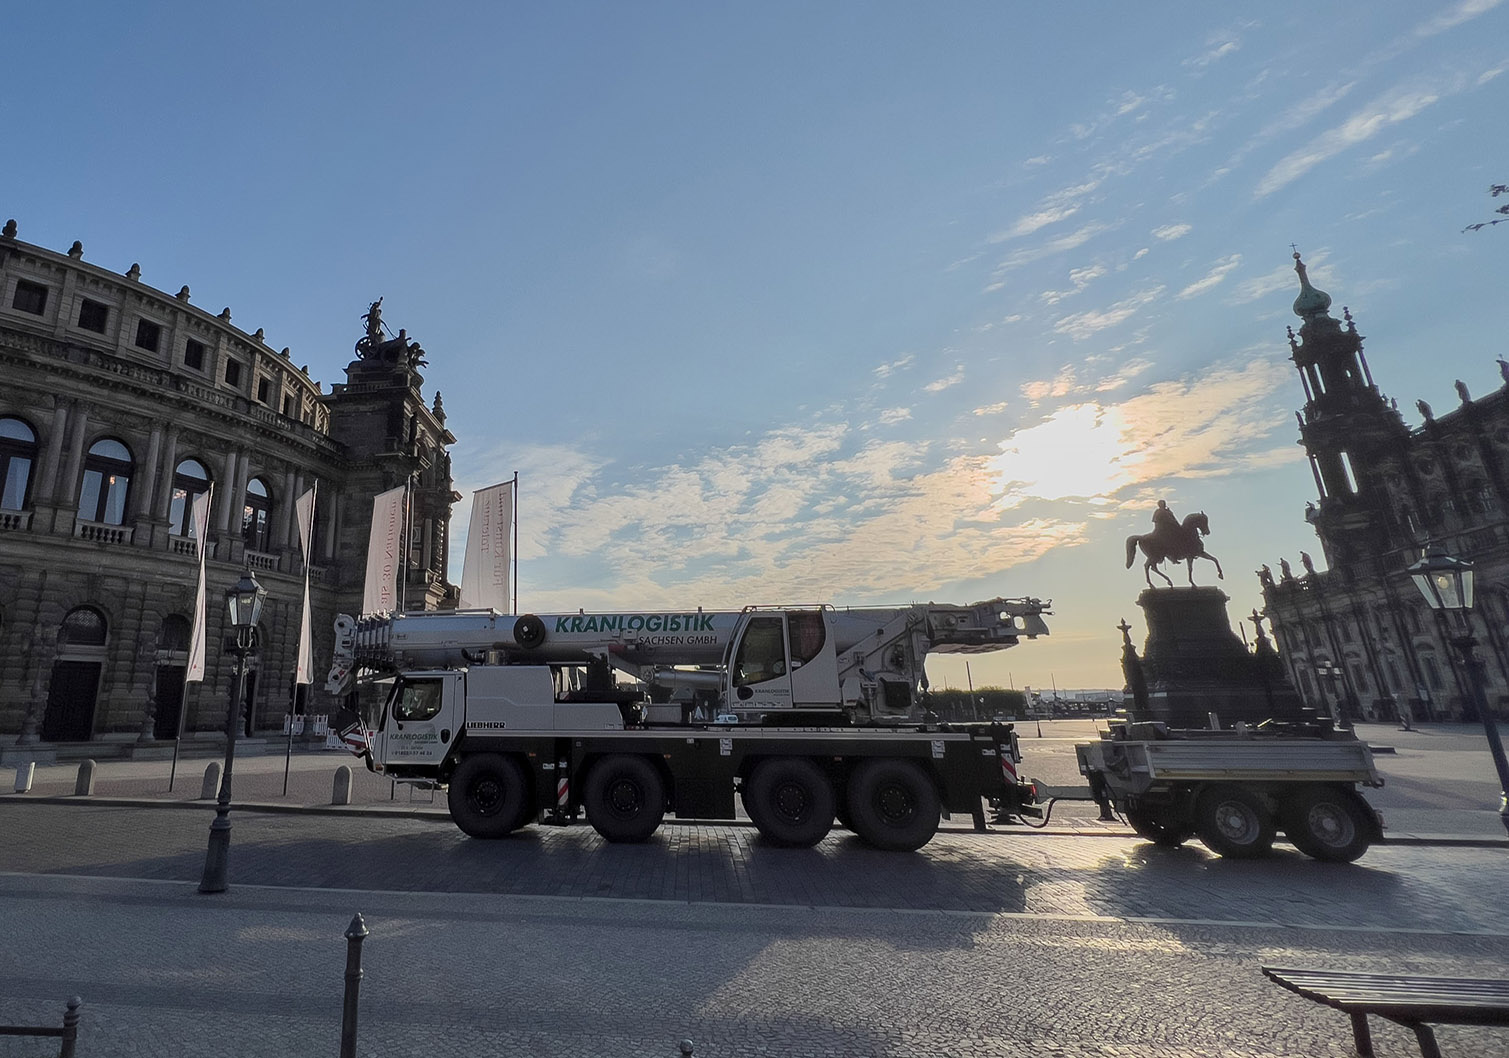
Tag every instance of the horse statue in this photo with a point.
(1181, 543)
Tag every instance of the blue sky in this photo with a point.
(782, 302)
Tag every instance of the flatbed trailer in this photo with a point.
(1236, 788)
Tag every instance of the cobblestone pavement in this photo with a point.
(553, 942)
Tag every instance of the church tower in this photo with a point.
(1347, 428)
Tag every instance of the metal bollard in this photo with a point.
(341, 793)
(686, 1048)
(24, 774)
(83, 786)
(70, 1027)
(211, 786)
(355, 934)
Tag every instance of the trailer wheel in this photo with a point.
(1159, 829)
(1233, 822)
(488, 795)
(1327, 823)
(893, 804)
(790, 801)
(625, 798)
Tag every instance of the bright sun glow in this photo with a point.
(1080, 452)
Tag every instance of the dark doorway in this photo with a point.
(168, 693)
(70, 701)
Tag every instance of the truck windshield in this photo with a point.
(416, 700)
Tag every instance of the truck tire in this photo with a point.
(1233, 822)
(488, 795)
(790, 801)
(1327, 823)
(625, 798)
(1159, 828)
(893, 804)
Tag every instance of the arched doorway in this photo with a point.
(172, 660)
(75, 685)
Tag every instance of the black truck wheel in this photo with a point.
(1327, 823)
(488, 795)
(1233, 822)
(893, 804)
(625, 798)
(1159, 828)
(790, 801)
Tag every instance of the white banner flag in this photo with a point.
(200, 514)
(304, 509)
(383, 558)
(484, 573)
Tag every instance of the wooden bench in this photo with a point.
(1408, 1000)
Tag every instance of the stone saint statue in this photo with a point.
(1304, 560)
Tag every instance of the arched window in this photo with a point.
(83, 627)
(107, 483)
(18, 451)
(174, 636)
(190, 481)
(255, 515)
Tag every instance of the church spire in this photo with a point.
(1311, 302)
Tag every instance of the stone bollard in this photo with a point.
(24, 774)
(211, 785)
(83, 786)
(341, 794)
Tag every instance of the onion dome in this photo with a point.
(1311, 302)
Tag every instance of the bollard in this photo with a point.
(355, 934)
(70, 1027)
(83, 786)
(686, 1048)
(24, 774)
(211, 786)
(341, 794)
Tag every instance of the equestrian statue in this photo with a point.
(1175, 540)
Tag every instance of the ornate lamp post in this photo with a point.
(1447, 584)
(1329, 674)
(245, 603)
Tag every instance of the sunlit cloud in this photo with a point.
(991, 409)
(1463, 12)
(1219, 50)
(938, 385)
(886, 370)
(1170, 232)
(1213, 278)
(891, 416)
(1080, 277)
(1061, 385)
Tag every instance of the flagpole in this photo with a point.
(515, 513)
(408, 542)
(306, 541)
(201, 612)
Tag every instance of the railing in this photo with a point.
(101, 533)
(15, 521)
(261, 560)
(68, 1033)
(184, 545)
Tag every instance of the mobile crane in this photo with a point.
(808, 713)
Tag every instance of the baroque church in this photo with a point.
(1357, 637)
(122, 404)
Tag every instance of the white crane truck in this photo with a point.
(809, 714)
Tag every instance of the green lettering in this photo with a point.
(560, 624)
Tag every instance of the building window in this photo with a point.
(175, 634)
(232, 372)
(193, 355)
(255, 515)
(83, 627)
(107, 483)
(29, 297)
(264, 389)
(287, 406)
(148, 335)
(18, 452)
(93, 316)
(190, 481)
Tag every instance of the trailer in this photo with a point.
(1237, 788)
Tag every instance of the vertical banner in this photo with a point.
(381, 595)
(484, 572)
(305, 513)
(201, 521)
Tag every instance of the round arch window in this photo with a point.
(256, 515)
(83, 627)
(18, 454)
(190, 481)
(107, 483)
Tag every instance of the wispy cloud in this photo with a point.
(1213, 278)
(1082, 325)
(1463, 12)
(1079, 277)
(1219, 48)
(1169, 232)
(939, 385)
(887, 370)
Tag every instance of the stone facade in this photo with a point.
(1357, 637)
(120, 404)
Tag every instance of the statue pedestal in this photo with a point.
(1194, 665)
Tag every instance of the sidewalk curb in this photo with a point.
(440, 814)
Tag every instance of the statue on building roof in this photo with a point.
(1504, 369)
(1285, 574)
(1425, 411)
(367, 345)
(1304, 560)
(1265, 576)
(1462, 391)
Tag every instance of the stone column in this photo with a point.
(52, 455)
(143, 499)
(68, 487)
(228, 496)
(167, 468)
(285, 513)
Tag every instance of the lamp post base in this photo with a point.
(217, 859)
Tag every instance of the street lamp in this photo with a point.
(1329, 674)
(245, 604)
(1447, 584)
